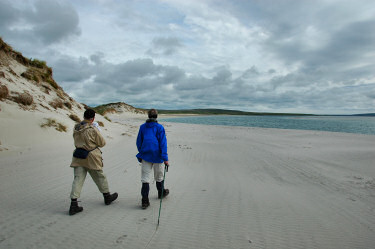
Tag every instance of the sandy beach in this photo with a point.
(231, 187)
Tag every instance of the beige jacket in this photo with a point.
(88, 137)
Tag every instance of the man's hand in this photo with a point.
(166, 163)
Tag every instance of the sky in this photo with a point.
(294, 56)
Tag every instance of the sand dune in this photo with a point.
(230, 187)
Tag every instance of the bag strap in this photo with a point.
(88, 150)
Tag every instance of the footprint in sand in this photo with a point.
(140, 221)
(121, 239)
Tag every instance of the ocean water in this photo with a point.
(349, 124)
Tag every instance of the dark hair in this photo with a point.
(152, 113)
(89, 114)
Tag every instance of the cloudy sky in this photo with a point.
(304, 56)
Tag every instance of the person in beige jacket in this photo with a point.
(88, 141)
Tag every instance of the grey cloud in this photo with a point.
(8, 14)
(67, 69)
(173, 74)
(352, 43)
(271, 71)
(47, 21)
(53, 21)
(138, 75)
(323, 77)
(138, 79)
(293, 79)
(339, 45)
(371, 94)
(97, 58)
(138, 68)
(143, 83)
(192, 83)
(249, 73)
(164, 46)
(283, 19)
(345, 60)
(223, 76)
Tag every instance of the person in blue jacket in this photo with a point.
(152, 148)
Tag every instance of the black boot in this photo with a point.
(109, 198)
(145, 203)
(144, 192)
(74, 208)
(160, 187)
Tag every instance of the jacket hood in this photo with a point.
(151, 122)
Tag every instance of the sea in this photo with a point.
(348, 124)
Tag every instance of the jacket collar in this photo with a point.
(82, 125)
(151, 120)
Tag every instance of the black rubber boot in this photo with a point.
(144, 192)
(145, 203)
(159, 186)
(74, 208)
(145, 189)
(109, 198)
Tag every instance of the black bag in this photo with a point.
(81, 153)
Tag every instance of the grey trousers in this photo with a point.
(147, 171)
(79, 178)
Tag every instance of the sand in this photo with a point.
(230, 187)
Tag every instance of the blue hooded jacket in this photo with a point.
(152, 143)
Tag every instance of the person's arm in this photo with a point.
(163, 146)
(139, 140)
(139, 143)
(99, 139)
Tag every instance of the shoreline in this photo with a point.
(273, 124)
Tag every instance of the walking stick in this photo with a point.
(162, 192)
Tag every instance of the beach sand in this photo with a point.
(230, 187)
